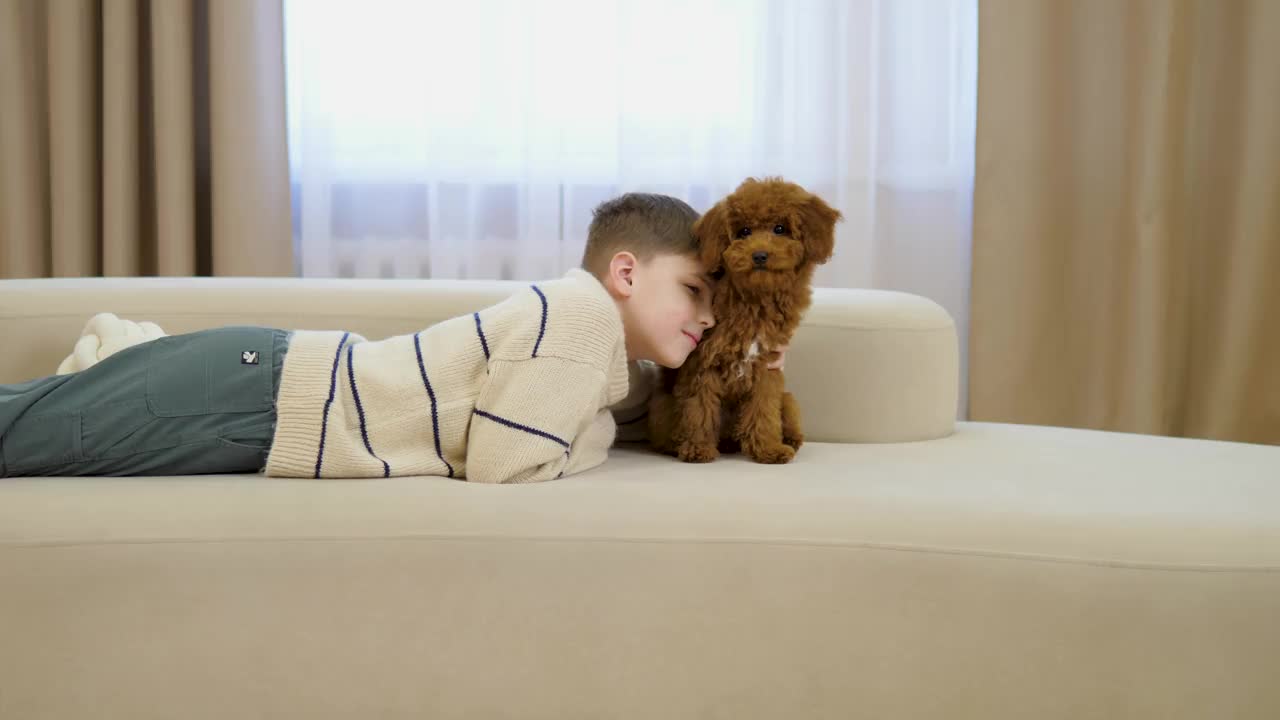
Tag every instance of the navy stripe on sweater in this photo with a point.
(543, 327)
(480, 332)
(364, 432)
(518, 426)
(333, 385)
(435, 421)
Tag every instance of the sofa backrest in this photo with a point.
(865, 365)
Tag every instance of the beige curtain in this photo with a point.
(1126, 260)
(143, 137)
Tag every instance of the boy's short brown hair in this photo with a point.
(644, 224)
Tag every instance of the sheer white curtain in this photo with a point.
(472, 139)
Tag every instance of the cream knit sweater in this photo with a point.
(518, 392)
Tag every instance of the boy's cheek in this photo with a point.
(675, 318)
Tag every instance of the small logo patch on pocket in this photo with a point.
(249, 357)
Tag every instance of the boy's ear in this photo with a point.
(714, 235)
(622, 268)
(817, 226)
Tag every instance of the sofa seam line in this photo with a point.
(879, 547)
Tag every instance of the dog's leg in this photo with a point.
(697, 423)
(759, 427)
(791, 433)
(728, 443)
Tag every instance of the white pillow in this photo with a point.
(104, 335)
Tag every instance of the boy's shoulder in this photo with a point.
(572, 316)
(577, 292)
(578, 284)
(580, 296)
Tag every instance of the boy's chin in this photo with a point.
(673, 361)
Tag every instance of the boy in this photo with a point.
(518, 392)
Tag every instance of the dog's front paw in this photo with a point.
(793, 440)
(772, 454)
(697, 453)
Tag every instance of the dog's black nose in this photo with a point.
(760, 257)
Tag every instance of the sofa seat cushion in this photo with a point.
(1002, 572)
(1023, 491)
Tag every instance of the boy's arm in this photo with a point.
(634, 427)
(591, 447)
(630, 414)
(537, 419)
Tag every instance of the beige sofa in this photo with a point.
(903, 566)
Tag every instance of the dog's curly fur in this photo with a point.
(724, 398)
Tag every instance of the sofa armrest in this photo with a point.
(865, 365)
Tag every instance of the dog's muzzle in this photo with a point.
(760, 258)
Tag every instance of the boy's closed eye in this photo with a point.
(700, 284)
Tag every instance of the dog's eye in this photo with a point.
(779, 229)
(744, 232)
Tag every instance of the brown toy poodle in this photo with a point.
(763, 242)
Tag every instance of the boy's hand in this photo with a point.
(778, 357)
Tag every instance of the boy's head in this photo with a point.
(642, 249)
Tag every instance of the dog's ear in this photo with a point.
(714, 236)
(818, 228)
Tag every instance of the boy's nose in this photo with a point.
(759, 257)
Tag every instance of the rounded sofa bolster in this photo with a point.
(875, 366)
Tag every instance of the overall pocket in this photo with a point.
(122, 429)
(224, 370)
(42, 441)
